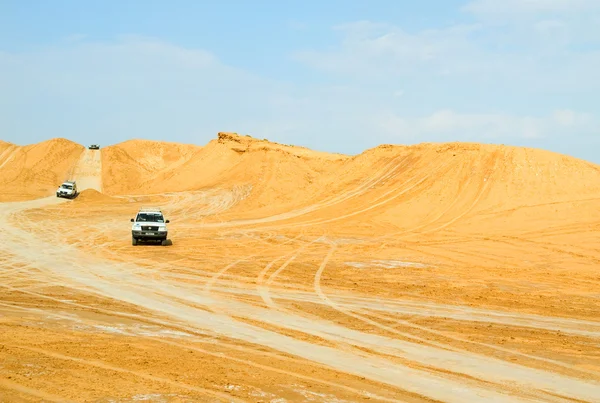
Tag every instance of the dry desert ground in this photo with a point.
(455, 272)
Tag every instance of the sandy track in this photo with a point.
(117, 282)
(88, 170)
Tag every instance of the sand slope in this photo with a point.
(271, 170)
(437, 174)
(447, 183)
(137, 166)
(36, 170)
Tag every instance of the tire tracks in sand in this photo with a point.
(355, 310)
(105, 366)
(118, 284)
(191, 332)
(7, 384)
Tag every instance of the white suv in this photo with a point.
(149, 225)
(67, 189)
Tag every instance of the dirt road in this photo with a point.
(288, 307)
(88, 170)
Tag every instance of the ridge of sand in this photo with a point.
(35, 170)
(246, 143)
(229, 158)
(432, 181)
(274, 174)
(128, 165)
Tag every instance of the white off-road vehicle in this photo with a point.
(67, 189)
(149, 225)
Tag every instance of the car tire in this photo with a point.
(164, 242)
(134, 241)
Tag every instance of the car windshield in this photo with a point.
(67, 187)
(146, 217)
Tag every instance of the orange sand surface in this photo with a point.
(454, 272)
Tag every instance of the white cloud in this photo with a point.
(571, 119)
(375, 49)
(494, 127)
(498, 8)
(537, 54)
(132, 87)
(107, 92)
(551, 24)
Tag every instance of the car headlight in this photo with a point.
(162, 229)
(137, 226)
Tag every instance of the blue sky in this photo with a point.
(332, 75)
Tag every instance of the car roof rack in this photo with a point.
(150, 210)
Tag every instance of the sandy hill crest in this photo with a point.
(284, 176)
(143, 167)
(247, 143)
(135, 166)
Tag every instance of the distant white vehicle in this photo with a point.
(67, 189)
(149, 225)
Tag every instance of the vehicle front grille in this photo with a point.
(149, 228)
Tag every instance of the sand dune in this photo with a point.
(453, 272)
(455, 173)
(141, 166)
(35, 170)
(510, 176)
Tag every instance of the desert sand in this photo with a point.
(453, 272)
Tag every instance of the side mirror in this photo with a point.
(166, 222)
(132, 220)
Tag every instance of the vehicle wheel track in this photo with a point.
(102, 365)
